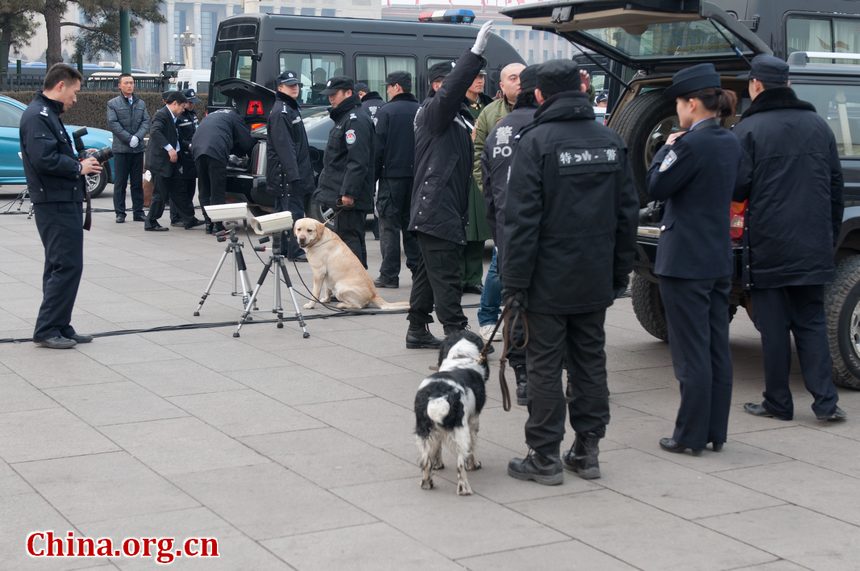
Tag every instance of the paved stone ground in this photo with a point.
(298, 453)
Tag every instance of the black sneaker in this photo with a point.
(838, 415)
(422, 339)
(538, 468)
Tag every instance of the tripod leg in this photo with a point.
(250, 304)
(278, 307)
(211, 282)
(299, 315)
(242, 270)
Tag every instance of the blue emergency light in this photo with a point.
(450, 16)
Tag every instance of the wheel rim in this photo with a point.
(657, 137)
(855, 330)
(93, 181)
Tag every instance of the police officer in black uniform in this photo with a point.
(220, 134)
(182, 197)
(793, 224)
(162, 153)
(371, 101)
(346, 181)
(569, 226)
(289, 174)
(55, 181)
(695, 173)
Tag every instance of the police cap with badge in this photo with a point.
(557, 76)
(692, 79)
(440, 71)
(767, 69)
(401, 78)
(338, 83)
(289, 78)
(191, 96)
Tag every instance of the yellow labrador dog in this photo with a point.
(336, 270)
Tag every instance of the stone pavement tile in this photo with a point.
(102, 486)
(618, 359)
(674, 489)
(267, 501)
(18, 291)
(21, 515)
(244, 412)
(176, 377)
(419, 362)
(11, 484)
(127, 284)
(237, 552)
(809, 445)
(170, 338)
(282, 342)
(181, 445)
(369, 341)
(131, 310)
(123, 349)
(296, 385)
(8, 321)
(623, 382)
(330, 321)
(794, 533)
(342, 363)
(805, 485)
(114, 403)
(95, 269)
(662, 403)
(47, 433)
(640, 535)
(20, 395)
(46, 368)
(399, 388)
(456, 526)
(571, 554)
(779, 565)
(331, 458)
(228, 356)
(372, 547)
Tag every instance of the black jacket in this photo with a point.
(372, 102)
(571, 210)
(187, 126)
(495, 161)
(288, 161)
(222, 133)
(162, 132)
(793, 180)
(696, 177)
(395, 137)
(443, 156)
(348, 162)
(50, 161)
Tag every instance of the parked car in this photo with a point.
(11, 165)
(656, 38)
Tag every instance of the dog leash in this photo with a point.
(509, 321)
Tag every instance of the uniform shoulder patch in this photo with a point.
(44, 112)
(350, 137)
(670, 159)
(353, 116)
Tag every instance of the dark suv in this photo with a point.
(652, 39)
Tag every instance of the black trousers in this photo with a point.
(128, 165)
(349, 225)
(212, 178)
(697, 314)
(60, 228)
(182, 201)
(778, 313)
(164, 187)
(392, 203)
(579, 341)
(436, 282)
(295, 204)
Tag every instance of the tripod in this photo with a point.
(275, 259)
(22, 196)
(234, 246)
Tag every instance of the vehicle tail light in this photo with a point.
(738, 216)
(254, 107)
(257, 125)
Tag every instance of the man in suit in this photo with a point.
(163, 156)
(182, 197)
(128, 120)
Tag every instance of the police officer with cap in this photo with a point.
(55, 181)
(163, 157)
(220, 134)
(289, 174)
(182, 197)
(695, 173)
(346, 181)
(371, 101)
(570, 227)
(792, 227)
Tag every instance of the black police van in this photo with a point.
(651, 39)
(251, 50)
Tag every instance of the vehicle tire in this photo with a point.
(96, 183)
(648, 307)
(842, 310)
(644, 125)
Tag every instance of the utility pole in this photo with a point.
(125, 40)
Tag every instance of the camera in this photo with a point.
(102, 155)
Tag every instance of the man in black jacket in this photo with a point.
(570, 227)
(128, 120)
(182, 197)
(163, 157)
(55, 181)
(793, 221)
(346, 181)
(219, 135)
(371, 101)
(440, 196)
(395, 164)
(289, 174)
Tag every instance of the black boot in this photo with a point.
(582, 456)
(522, 385)
(535, 466)
(420, 338)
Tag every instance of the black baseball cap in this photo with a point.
(401, 78)
(556, 76)
(337, 83)
(768, 69)
(288, 78)
(174, 97)
(528, 78)
(693, 78)
(191, 96)
(440, 70)
(361, 86)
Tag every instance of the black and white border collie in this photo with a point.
(447, 407)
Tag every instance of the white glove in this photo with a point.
(483, 37)
(134, 141)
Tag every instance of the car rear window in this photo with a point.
(667, 40)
